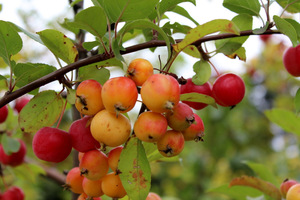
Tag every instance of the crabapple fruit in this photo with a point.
(119, 94)
(153, 196)
(88, 97)
(112, 186)
(20, 103)
(228, 89)
(84, 196)
(80, 155)
(94, 164)
(109, 129)
(52, 144)
(181, 117)
(286, 185)
(14, 159)
(160, 93)
(74, 181)
(139, 70)
(80, 133)
(3, 113)
(195, 131)
(13, 193)
(114, 157)
(92, 187)
(171, 143)
(291, 60)
(150, 126)
(190, 87)
(294, 192)
(265, 37)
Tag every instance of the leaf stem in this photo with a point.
(287, 6)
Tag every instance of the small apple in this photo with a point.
(3, 113)
(14, 159)
(291, 60)
(20, 103)
(294, 192)
(286, 185)
(13, 193)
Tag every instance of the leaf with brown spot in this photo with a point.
(135, 170)
(259, 184)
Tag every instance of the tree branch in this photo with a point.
(58, 74)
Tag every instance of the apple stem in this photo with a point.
(216, 70)
(61, 115)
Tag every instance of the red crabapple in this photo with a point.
(84, 196)
(153, 196)
(74, 181)
(14, 159)
(13, 193)
(291, 60)
(3, 113)
(171, 143)
(20, 103)
(52, 144)
(286, 185)
(195, 131)
(139, 70)
(114, 157)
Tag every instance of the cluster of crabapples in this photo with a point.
(290, 189)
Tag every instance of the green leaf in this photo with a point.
(296, 25)
(100, 74)
(240, 53)
(236, 192)
(10, 145)
(197, 97)
(42, 110)
(143, 24)
(156, 156)
(263, 172)
(10, 41)
(27, 72)
(286, 28)
(259, 184)
(33, 36)
(183, 12)
(176, 27)
(210, 27)
(90, 45)
(29, 172)
(297, 101)
(127, 10)
(71, 95)
(2, 77)
(251, 7)
(287, 120)
(65, 24)
(292, 8)
(75, 2)
(135, 170)
(192, 51)
(59, 44)
(85, 19)
(203, 72)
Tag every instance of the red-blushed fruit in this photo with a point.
(119, 94)
(139, 70)
(265, 38)
(286, 185)
(82, 139)
(112, 186)
(84, 196)
(52, 144)
(92, 188)
(160, 93)
(190, 87)
(114, 157)
(94, 164)
(80, 155)
(3, 113)
(109, 129)
(195, 131)
(228, 89)
(181, 117)
(153, 196)
(20, 103)
(88, 97)
(150, 126)
(14, 159)
(13, 193)
(291, 60)
(294, 192)
(74, 181)
(171, 143)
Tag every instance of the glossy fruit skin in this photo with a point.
(94, 164)
(150, 126)
(80, 133)
(286, 185)
(139, 70)
(20, 103)
(293, 193)
(291, 60)
(84, 196)
(114, 157)
(228, 89)
(74, 180)
(3, 113)
(92, 188)
(171, 143)
(14, 159)
(181, 117)
(112, 186)
(160, 93)
(109, 129)
(190, 87)
(153, 196)
(52, 144)
(13, 193)
(195, 131)
(88, 97)
(119, 94)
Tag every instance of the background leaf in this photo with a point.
(10, 145)
(297, 101)
(248, 7)
(42, 110)
(203, 72)
(293, 8)
(135, 170)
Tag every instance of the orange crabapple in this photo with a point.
(112, 186)
(114, 157)
(171, 143)
(92, 188)
(74, 181)
(84, 196)
(294, 192)
(139, 70)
